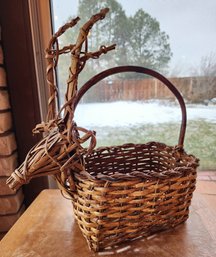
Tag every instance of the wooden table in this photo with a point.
(48, 229)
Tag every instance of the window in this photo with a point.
(176, 38)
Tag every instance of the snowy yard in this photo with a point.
(140, 122)
(121, 114)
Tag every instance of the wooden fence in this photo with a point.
(193, 89)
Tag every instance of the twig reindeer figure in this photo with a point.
(60, 150)
(119, 193)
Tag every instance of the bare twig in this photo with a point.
(77, 63)
(52, 54)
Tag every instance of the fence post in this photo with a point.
(155, 88)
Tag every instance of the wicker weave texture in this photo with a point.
(131, 191)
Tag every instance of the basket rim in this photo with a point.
(181, 171)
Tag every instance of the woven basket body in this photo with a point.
(133, 190)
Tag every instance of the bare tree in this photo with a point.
(206, 85)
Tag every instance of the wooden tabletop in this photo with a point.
(48, 229)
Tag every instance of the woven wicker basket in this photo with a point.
(119, 193)
(133, 190)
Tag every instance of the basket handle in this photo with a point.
(90, 83)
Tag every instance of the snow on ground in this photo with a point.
(122, 113)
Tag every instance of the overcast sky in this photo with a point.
(190, 24)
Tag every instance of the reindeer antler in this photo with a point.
(52, 56)
(79, 58)
(78, 61)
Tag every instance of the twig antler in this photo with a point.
(79, 59)
(52, 56)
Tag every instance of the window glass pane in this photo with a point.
(175, 38)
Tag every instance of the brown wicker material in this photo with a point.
(119, 193)
(133, 190)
